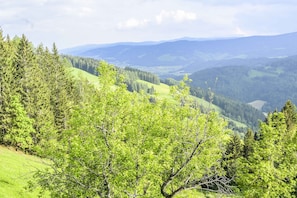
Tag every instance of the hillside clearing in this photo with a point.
(16, 169)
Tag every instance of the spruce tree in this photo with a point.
(62, 88)
(269, 169)
(233, 152)
(20, 126)
(249, 140)
(6, 83)
(290, 113)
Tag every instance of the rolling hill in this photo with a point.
(271, 84)
(189, 55)
(228, 109)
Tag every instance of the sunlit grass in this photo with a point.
(16, 169)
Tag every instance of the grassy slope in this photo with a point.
(162, 91)
(16, 169)
(80, 74)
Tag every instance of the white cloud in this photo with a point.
(177, 16)
(239, 31)
(75, 22)
(133, 23)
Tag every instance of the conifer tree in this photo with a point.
(290, 113)
(20, 126)
(233, 152)
(62, 88)
(267, 172)
(249, 139)
(6, 83)
(23, 60)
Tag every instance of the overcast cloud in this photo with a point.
(77, 22)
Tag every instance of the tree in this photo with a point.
(21, 126)
(120, 144)
(230, 157)
(6, 83)
(249, 140)
(62, 89)
(289, 111)
(268, 170)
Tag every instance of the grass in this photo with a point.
(258, 104)
(83, 75)
(16, 169)
(162, 92)
(255, 73)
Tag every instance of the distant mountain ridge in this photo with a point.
(190, 55)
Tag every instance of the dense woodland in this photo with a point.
(271, 81)
(109, 142)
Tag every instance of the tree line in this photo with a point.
(235, 110)
(36, 95)
(132, 75)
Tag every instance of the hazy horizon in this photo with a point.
(71, 23)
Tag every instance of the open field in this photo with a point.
(16, 169)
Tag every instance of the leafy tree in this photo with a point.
(120, 144)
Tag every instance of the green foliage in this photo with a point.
(233, 152)
(36, 91)
(249, 140)
(268, 169)
(142, 75)
(16, 169)
(170, 81)
(270, 82)
(121, 145)
(104, 141)
(86, 64)
(6, 80)
(20, 129)
(235, 110)
(132, 75)
(289, 111)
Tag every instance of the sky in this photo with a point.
(71, 23)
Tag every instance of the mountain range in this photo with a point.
(260, 70)
(186, 55)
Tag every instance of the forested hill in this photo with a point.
(179, 56)
(105, 141)
(273, 83)
(235, 110)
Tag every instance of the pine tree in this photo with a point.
(23, 59)
(21, 126)
(62, 88)
(249, 140)
(289, 111)
(233, 152)
(268, 170)
(6, 83)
